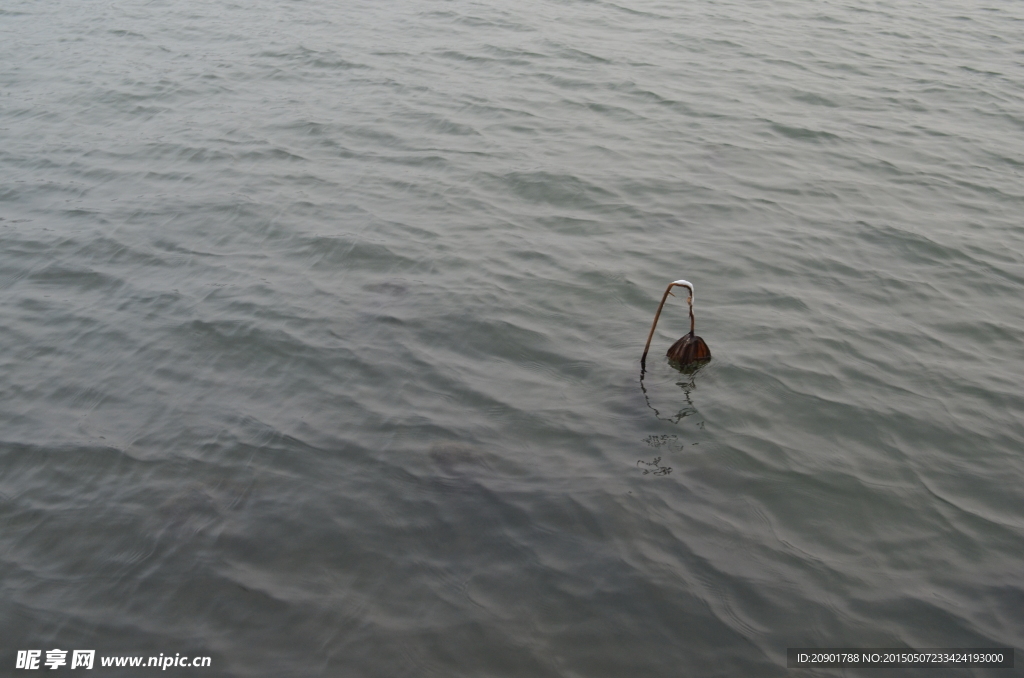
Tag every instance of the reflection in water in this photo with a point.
(688, 385)
(670, 442)
(654, 467)
(663, 441)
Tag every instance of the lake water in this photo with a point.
(322, 322)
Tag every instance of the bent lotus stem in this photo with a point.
(664, 297)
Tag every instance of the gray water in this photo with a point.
(321, 326)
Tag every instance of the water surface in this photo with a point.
(322, 324)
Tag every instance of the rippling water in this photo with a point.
(322, 323)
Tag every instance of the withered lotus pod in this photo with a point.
(690, 348)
